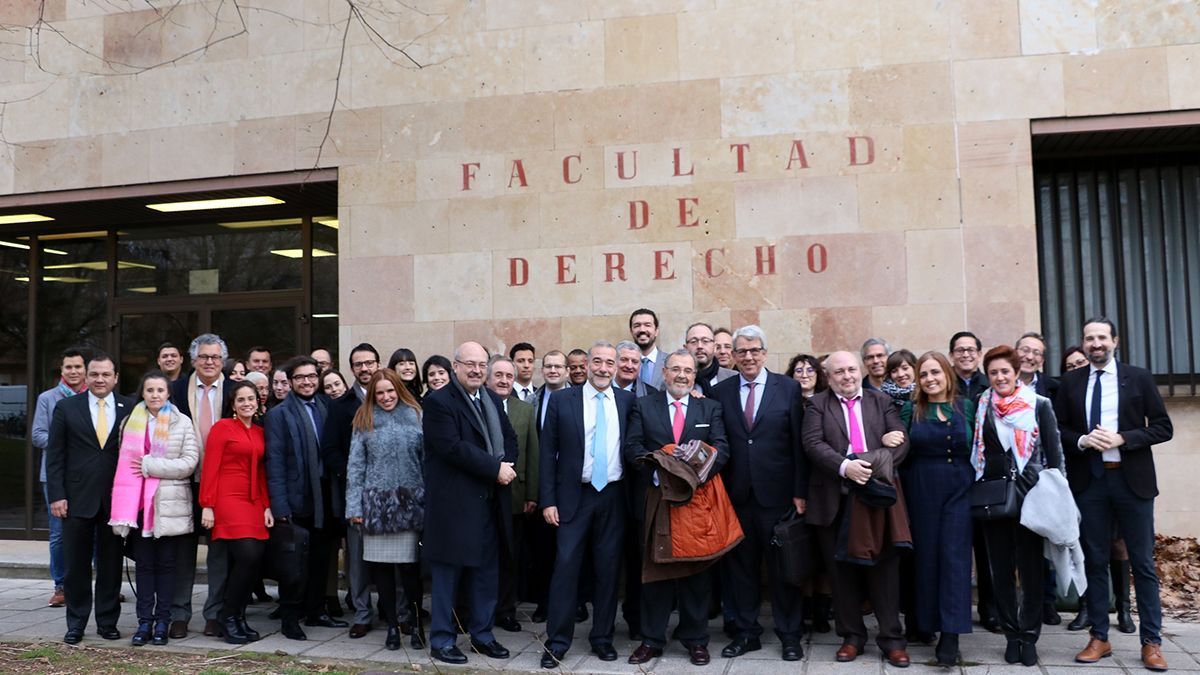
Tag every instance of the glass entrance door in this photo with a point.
(143, 333)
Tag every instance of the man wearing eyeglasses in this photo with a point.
(201, 396)
(1031, 350)
(965, 350)
(301, 489)
(702, 343)
(767, 477)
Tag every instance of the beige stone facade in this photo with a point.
(829, 169)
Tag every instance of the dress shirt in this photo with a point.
(612, 433)
(525, 393)
(310, 407)
(653, 356)
(212, 398)
(110, 409)
(760, 381)
(1109, 402)
(858, 416)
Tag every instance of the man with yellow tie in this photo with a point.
(81, 460)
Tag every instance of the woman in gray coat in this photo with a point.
(385, 495)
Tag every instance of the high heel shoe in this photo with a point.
(142, 635)
(233, 633)
(392, 642)
(160, 633)
(946, 652)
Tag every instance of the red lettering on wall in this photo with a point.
(797, 155)
(635, 206)
(614, 266)
(621, 165)
(517, 173)
(567, 169)
(685, 211)
(741, 155)
(708, 262)
(566, 269)
(662, 265)
(518, 271)
(818, 258)
(468, 174)
(691, 169)
(854, 150)
(765, 259)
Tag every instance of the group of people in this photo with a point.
(672, 469)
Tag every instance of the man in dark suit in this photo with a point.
(201, 397)
(81, 460)
(335, 453)
(657, 420)
(767, 477)
(701, 342)
(1031, 349)
(300, 486)
(470, 453)
(582, 493)
(629, 363)
(643, 329)
(845, 421)
(1110, 416)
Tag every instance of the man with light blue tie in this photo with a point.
(643, 328)
(582, 493)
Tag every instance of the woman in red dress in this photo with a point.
(233, 494)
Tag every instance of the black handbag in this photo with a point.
(995, 498)
(287, 553)
(792, 540)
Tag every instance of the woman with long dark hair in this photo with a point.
(404, 363)
(436, 372)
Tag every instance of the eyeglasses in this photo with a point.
(700, 341)
(310, 377)
(963, 351)
(675, 370)
(208, 357)
(472, 365)
(752, 351)
(552, 366)
(359, 365)
(1030, 351)
(805, 370)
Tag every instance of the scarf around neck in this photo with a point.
(1016, 425)
(66, 390)
(133, 492)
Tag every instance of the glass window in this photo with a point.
(141, 335)
(14, 384)
(324, 323)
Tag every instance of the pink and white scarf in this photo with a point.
(132, 491)
(1016, 425)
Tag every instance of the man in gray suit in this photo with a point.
(643, 328)
(629, 364)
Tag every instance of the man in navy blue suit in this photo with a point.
(766, 476)
(582, 494)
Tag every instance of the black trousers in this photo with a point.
(510, 569)
(542, 544)
(307, 598)
(744, 564)
(383, 575)
(631, 608)
(82, 537)
(690, 595)
(983, 579)
(1015, 554)
(155, 576)
(245, 572)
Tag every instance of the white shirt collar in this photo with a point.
(653, 355)
(1111, 368)
(760, 379)
(92, 398)
(671, 399)
(590, 392)
(858, 395)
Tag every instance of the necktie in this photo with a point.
(647, 369)
(749, 411)
(101, 422)
(857, 446)
(206, 412)
(315, 414)
(600, 447)
(478, 405)
(677, 421)
(1096, 460)
(526, 394)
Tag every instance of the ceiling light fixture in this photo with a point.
(205, 204)
(299, 252)
(23, 218)
(328, 222)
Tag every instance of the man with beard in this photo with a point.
(701, 342)
(875, 354)
(643, 327)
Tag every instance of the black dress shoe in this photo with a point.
(581, 613)
(160, 634)
(493, 649)
(1012, 653)
(232, 632)
(178, 630)
(792, 651)
(741, 646)
(539, 615)
(292, 630)
(1050, 615)
(392, 642)
(946, 653)
(551, 658)
(108, 632)
(644, 653)
(326, 621)
(450, 654)
(509, 623)
(1080, 621)
(1029, 655)
(74, 636)
(604, 652)
(250, 632)
(142, 635)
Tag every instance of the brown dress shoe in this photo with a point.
(848, 653)
(359, 630)
(212, 628)
(178, 630)
(898, 658)
(1094, 651)
(698, 655)
(59, 599)
(1152, 658)
(644, 653)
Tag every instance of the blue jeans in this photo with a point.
(58, 568)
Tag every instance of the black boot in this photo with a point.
(1081, 619)
(142, 635)
(251, 634)
(1118, 570)
(234, 634)
(820, 612)
(392, 642)
(160, 633)
(946, 651)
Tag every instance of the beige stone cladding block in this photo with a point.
(914, 31)
(994, 144)
(265, 146)
(997, 323)
(133, 40)
(804, 154)
(564, 170)
(779, 104)
(522, 13)
(500, 334)
(640, 49)
(382, 183)
(125, 158)
(398, 228)
(843, 270)
(678, 110)
(609, 9)
(375, 290)
(789, 332)
(583, 331)
(424, 130)
(1135, 23)
(276, 27)
(20, 13)
(1183, 76)
(583, 218)
(647, 164)
(929, 147)
(542, 282)
(743, 39)
(57, 165)
(482, 224)
(564, 56)
(424, 338)
(452, 286)
(917, 328)
(37, 110)
(904, 94)
(1054, 26)
(822, 204)
(839, 329)
(595, 117)
(1176, 508)
(509, 123)
(348, 137)
(993, 197)
(1009, 88)
(907, 201)
(935, 266)
(191, 152)
(1001, 264)
(654, 274)
(673, 323)
(461, 177)
(740, 273)
(837, 34)
(1133, 80)
(204, 31)
(72, 47)
(983, 29)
